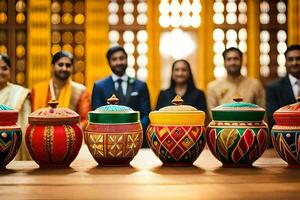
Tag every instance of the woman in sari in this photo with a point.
(16, 97)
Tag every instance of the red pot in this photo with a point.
(54, 136)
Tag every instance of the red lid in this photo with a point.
(288, 115)
(8, 116)
(53, 115)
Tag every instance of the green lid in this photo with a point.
(238, 111)
(113, 114)
(4, 107)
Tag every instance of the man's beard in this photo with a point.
(63, 76)
(234, 70)
(121, 71)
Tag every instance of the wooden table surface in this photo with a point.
(270, 178)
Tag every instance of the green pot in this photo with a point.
(237, 135)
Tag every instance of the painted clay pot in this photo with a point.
(237, 135)
(286, 133)
(10, 135)
(114, 134)
(53, 136)
(176, 133)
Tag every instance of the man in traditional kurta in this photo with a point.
(60, 87)
(16, 97)
(234, 85)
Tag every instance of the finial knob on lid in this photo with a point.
(53, 103)
(177, 101)
(112, 100)
(238, 99)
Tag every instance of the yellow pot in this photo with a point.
(176, 133)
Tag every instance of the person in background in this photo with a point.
(130, 91)
(60, 87)
(16, 97)
(235, 84)
(182, 84)
(285, 90)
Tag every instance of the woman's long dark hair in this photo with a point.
(190, 81)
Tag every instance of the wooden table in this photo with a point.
(146, 179)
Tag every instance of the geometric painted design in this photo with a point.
(4, 145)
(287, 145)
(96, 143)
(237, 146)
(114, 146)
(10, 141)
(132, 145)
(176, 144)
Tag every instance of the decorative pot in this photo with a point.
(10, 135)
(54, 136)
(176, 133)
(286, 133)
(114, 133)
(237, 135)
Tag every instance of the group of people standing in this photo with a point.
(134, 93)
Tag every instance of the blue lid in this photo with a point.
(112, 107)
(4, 107)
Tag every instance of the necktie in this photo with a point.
(298, 94)
(120, 93)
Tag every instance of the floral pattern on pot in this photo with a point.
(237, 136)
(240, 146)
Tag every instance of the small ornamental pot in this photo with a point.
(176, 133)
(237, 136)
(53, 136)
(286, 133)
(114, 133)
(10, 135)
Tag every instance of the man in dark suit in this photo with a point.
(130, 91)
(285, 90)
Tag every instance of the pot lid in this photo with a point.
(113, 113)
(53, 115)
(288, 115)
(177, 106)
(177, 114)
(113, 107)
(238, 111)
(8, 115)
(5, 108)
